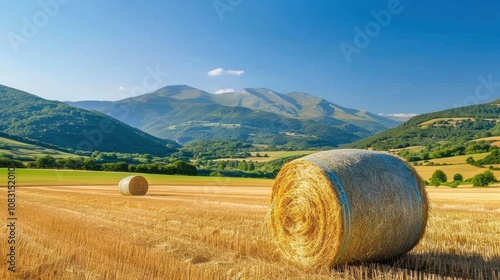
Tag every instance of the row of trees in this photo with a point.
(7, 162)
(176, 168)
(214, 149)
(211, 149)
(480, 180)
(447, 150)
(493, 158)
(243, 168)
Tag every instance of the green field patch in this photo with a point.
(296, 153)
(267, 156)
(44, 177)
(272, 155)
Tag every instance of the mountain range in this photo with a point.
(143, 124)
(304, 105)
(258, 115)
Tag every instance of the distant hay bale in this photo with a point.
(344, 206)
(133, 185)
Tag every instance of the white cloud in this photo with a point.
(220, 71)
(221, 91)
(122, 88)
(216, 72)
(235, 72)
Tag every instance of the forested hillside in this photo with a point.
(60, 126)
(450, 126)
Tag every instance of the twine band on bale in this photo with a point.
(344, 206)
(133, 185)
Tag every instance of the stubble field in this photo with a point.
(183, 231)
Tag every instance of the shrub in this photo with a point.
(479, 181)
(458, 177)
(490, 177)
(438, 177)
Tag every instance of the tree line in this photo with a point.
(480, 180)
(437, 151)
(178, 167)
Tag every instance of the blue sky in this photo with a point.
(420, 56)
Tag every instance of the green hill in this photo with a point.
(452, 126)
(14, 148)
(59, 126)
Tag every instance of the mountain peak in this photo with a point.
(268, 100)
(181, 92)
(177, 87)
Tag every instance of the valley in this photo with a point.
(213, 225)
(230, 134)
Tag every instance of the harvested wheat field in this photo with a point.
(218, 232)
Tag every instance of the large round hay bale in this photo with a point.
(344, 206)
(133, 185)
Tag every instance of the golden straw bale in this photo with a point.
(133, 185)
(343, 206)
